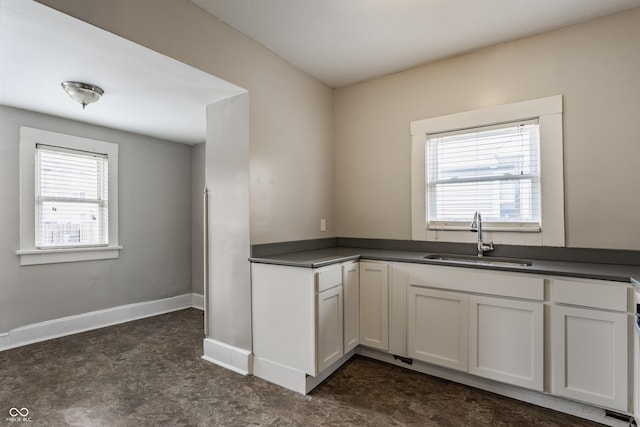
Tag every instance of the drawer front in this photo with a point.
(604, 295)
(477, 281)
(328, 278)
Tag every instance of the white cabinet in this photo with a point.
(351, 292)
(438, 327)
(497, 337)
(374, 305)
(283, 319)
(329, 324)
(589, 344)
(506, 340)
(297, 322)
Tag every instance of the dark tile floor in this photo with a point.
(149, 372)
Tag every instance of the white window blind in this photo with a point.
(71, 198)
(493, 169)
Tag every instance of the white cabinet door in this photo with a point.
(506, 340)
(374, 305)
(329, 324)
(589, 356)
(438, 327)
(351, 287)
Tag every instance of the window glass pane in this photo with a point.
(72, 198)
(494, 170)
(71, 224)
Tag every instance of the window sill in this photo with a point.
(53, 256)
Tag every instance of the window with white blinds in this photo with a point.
(491, 169)
(72, 198)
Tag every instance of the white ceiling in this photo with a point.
(145, 92)
(346, 41)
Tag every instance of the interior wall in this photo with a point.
(291, 114)
(154, 229)
(227, 179)
(197, 205)
(595, 65)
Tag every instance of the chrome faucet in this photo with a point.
(476, 227)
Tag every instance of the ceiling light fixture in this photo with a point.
(83, 93)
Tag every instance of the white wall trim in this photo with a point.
(279, 374)
(294, 379)
(197, 301)
(549, 113)
(64, 326)
(29, 254)
(51, 256)
(233, 358)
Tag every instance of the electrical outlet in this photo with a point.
(323, 224)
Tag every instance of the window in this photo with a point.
(68, 198)
(505, 162)
(71, 198)
(494, 170)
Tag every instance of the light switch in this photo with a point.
(323, 224)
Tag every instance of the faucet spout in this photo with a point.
(476, 227)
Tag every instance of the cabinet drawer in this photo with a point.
(605, 295)
(328, 278)
(477, 281)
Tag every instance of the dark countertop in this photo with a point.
(323, 257)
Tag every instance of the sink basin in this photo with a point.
(476, 260)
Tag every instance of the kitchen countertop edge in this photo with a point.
(324, 257)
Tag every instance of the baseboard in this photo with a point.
(545, 400)
(56, 328)
(233, 358)
(281, 375)
(197, 301)
(294, 379)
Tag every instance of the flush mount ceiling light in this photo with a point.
(84, 93)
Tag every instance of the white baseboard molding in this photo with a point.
(56, 328)
(197, 301)
(233, 358)
(545, 400)
(294, 379)
(281, 375)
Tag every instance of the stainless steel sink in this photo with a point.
(476, 260)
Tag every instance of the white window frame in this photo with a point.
(549, 113)
(28, 252)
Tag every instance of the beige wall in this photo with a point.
(596, 66)
(291, 114)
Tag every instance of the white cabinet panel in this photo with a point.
(438, 327)
(477, 281)
(589, 356)
(328, 277)
(398, 309)
(374, 305)
(329, 325)
(283, 319)
(590, 293)
(351, 290)
(506, 340)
